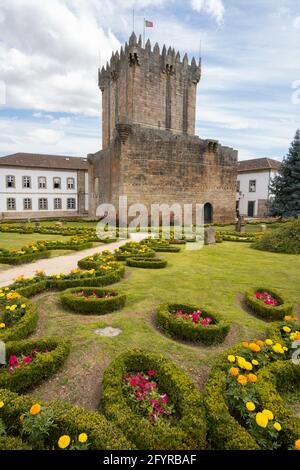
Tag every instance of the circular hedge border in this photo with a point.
(24, 326)
(100, 280)
(81, 304)
(146, 263)
(43, 365)
(68, 419)
(190, 430)
(268, 312)
(179, 328)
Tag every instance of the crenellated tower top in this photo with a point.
(148, 86)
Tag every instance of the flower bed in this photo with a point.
(104, 261)
(134, 249)
(243, 409)
(247, 237)
(147, 263)
(29, 362)
(18, 317)
(58, 424)
(187, 322)
(24, 255)
(93, 300)
(267, 303)
(184, 428)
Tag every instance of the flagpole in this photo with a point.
(133, 20)
(144, 32)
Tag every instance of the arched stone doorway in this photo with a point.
(208, 213)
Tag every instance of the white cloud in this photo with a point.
(297, 22)
(45, 136)
(212, 7)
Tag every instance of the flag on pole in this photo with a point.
(148, 24)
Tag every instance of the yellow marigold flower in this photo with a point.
(231, 358)
(64, 442)
(2, 325)
(35, 409)
(287, 318)
(58, 276)
(286, 329)
(1, 294)
(82, 438)
(241, 362)
(1, 404)
(252, 378)
(13, 307)
(297, 444)
(285, 349)
(268, 414)
(21, 418)
(234, 371)
(254, 347)
(262, 420)
(269, 342)
(278, 348)
(248, 366)
(23, 306)
(245, 344)
(255, 362)
(277, 426)
(250, 406)
(242, 379)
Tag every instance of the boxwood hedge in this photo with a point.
(178, 327)
(147, 263)
(268, 312)
(187, 431)
(91, 305)
(17, 259)
(98, 280)
(43, 365)
(22, 327)
(70, 420)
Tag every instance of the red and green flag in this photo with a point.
(148, 24)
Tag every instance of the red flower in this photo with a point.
(12, 360)
(151, 373)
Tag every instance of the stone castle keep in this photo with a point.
(149, 149)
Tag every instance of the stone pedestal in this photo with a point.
(209, 236)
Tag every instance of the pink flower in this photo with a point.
(27, 360)
(12, 360)
(151, 373)
(134, 382)
(164, 398)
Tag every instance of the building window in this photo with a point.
(42, 182)
(43, 204)
(238, 186)
(11, 204)
(71, 203)
(10, 181)
(252, 186)
(70, 183)
(56, 183)
(57, 203)
(26, 182)
(27, 204)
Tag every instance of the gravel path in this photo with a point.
(60, 264)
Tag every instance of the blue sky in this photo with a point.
(50, 51)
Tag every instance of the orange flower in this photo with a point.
(297, 444)
(254, 347)
(260, 343)
(242, 379)
(287, 318)
(35, 409)
(252, 378)
(245, 344)
(234, 371)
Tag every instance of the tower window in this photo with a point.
(252, 186)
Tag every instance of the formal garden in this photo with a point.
(152, 346)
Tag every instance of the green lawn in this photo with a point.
(12, 241)
(215, 277)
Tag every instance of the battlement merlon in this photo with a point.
(166, 60)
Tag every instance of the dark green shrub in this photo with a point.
(166, 249)
(98, 280)
(24, 258)
(98, 306)
(31, 289)
(186, 431)
(70, 420)
(147, 263)
(285, 239)
(43, 366)
(268, 312)
(178, 327)
(23, 327)
(12, 443)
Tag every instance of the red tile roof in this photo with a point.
(258, 164)
(34, 160)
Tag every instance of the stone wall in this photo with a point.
(156, 167)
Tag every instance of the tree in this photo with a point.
(285, 187)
